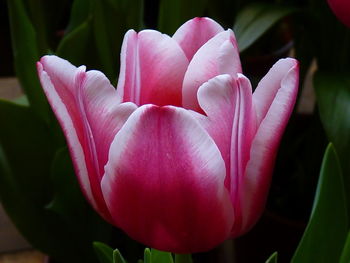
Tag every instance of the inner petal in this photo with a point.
(153, 66)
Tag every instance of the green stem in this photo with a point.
(183, 258)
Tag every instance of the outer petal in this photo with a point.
(164, 182)
(266, 91)
(266, 141)
(217, 99)
(86, 106)
(152, 69)
(195, 33)
(218, 56)
(231, 123)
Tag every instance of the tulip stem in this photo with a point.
(183, 258)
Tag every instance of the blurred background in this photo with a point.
(38, 189)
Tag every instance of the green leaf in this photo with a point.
(117, 257)
(22, 100)
(326, 231)
(183, 258)
(345, 256)
(103, 40)
(255, 19)
(74, 46)
(272, 258)
(80, 12)
(172, 14)
(147, 256)
(67, 201)
(333, 97)
(36, 14)
(161, 257)
(26, 157)
(77, 46)
(104, 253)
(25, 186)
(111, 20)
(26, 54)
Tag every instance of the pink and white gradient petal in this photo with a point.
(254, 187)
(195, 33)
(84, 103)
(217, 56)
(217, 98)
(267, 88)
(227, 102)
(164, 165)
(152, 69)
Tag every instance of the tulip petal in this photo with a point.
(217, 98)
(162, 166)
(218, 56)
(152, 69)
(228, 104)
(87, 108)
(267, 88)
(264, 147)
(195, 33)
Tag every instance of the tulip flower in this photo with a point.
(341, 9)
(180, 156)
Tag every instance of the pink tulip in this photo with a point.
(180, 156)
(341, 9)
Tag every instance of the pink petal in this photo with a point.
(218, 56)
(195, 33)
(217, 98)
(164, 182)
(152, 69)
(266, 91)
(266, 141)
(87, 108)
(228, 104)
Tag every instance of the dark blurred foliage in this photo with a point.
(312, 32)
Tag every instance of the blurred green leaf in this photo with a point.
(321, 25)
(147, 256)
(117, 257)
(172, 14)
(345, 256)
(75, 45)
(111, 20)
(333, 98)
(130, 11)
(161, 257)
(80, 12)
(183, 258)
(26, 54)
(26, 156)
(37, 15)
(46, 18)
(103, 39)
(326, 231)
(95, 33)
(69, 203)
(104, 253)
(272, 258)
(255, 19)
(22, 100)
(25, 164)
